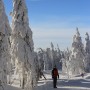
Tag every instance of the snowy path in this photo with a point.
(65, 85)
(76, 83)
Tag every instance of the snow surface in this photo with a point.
(64, 83)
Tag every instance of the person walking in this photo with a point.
(55, 75)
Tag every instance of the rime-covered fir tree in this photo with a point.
(22, 45)
(49, 59)
(87, 52)
(65, 61)
(53, 53)
(77, 57)
(4, 44)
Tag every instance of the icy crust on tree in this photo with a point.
(77, 56)
(77, 43)
(87, 44)
(87, 51)
(74, 60)
(65, 61)
(4, 44)
(22, 45)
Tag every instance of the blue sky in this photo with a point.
(56, 20)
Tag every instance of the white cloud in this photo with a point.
(52, 33)
(59, 31)
(61, 36)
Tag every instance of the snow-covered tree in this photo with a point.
(40, 54)
(56, 56)
(4, 44)
(77, 57)
(22, 49)
(65, 61)
(53, 57)
(87, 52)
(36, 62)
(49, 58)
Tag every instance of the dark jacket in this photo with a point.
(55, 73)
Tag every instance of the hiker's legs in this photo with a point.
(54, 82)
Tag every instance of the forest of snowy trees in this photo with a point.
(73, 61)
(18, 60)
(77, 60)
